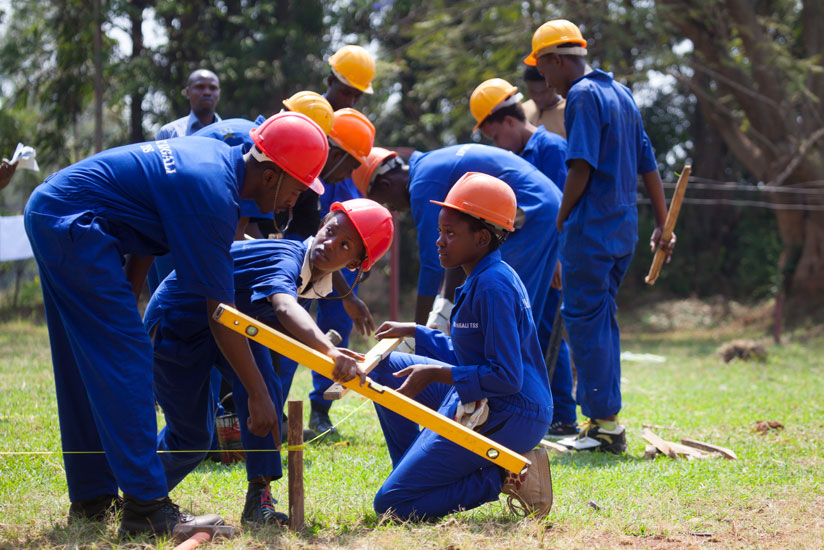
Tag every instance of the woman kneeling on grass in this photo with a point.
(491, 362)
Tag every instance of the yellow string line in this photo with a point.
(288, 448)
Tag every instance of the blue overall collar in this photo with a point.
(595, 74)
(486, 262)
(532, 142)
(240, 167)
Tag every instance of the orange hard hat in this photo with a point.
(353, 133)
(354, 66)
(296, 144)
(553, 33)
(365, 173)
(484, 197)
(313, 105)
(373, 223)
(487, 96)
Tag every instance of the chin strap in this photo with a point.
(351, 288)
(274, 214)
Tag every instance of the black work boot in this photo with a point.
(320, 422)
(260, 506)
(157, 517)
(98, 508)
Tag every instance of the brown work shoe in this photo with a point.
(530, 494)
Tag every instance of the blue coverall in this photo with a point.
(532, 249)
(604, 128)
(179, 196)
(494, 353)
(546, 151)
(184, 351)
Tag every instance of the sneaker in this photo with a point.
(260, 506)
(158, 517)
(559, 430)
(95, 509)
(530, 493)
(594, 437)
(319, 422)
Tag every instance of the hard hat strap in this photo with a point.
(351, 288)
(274, 216)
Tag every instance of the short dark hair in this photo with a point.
(515, 111)
(476, 224)
(531, 74)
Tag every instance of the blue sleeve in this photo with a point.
(281, 277)
(554, 156)
(583, 127)
(502, 373)
(646, 156)
(200, 247)
(425, 215)
(435, 344)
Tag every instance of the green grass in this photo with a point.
(771, 498)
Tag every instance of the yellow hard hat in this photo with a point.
(353, 66)
(553, 33)
(313, 105)
(487, 96)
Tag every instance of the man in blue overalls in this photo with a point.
(598, 219)
(126, 205)
(532, 249)
(500, 117)
(275, 282)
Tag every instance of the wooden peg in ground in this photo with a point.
(554, 447)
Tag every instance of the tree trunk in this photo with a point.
(136, 133)
(98, 77)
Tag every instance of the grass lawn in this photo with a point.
(773, 497)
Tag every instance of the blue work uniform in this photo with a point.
(184, 352)
(180, 196)
(184, 126)
(546, 151)
(494, 353)
(604, 128)
(532, 249)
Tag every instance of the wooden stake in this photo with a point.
(295, 448)
(194, 541)
(709, 447)
(669, 225)
(659, 443)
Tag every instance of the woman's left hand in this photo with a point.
(420, 376)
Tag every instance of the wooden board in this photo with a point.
(554, 447)
(659, 443)
(295, 465)
(669, 224)
(374, 356)
(723, 451)
(387, 397)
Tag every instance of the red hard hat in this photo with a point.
(295, 143)
(484, 197)
(373, 223)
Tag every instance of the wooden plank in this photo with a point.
(659, 443)
(687, 450)
(374, 356)
(389, 398)
(723, 451)
(295, 448)
(554, 447)
(669, 225)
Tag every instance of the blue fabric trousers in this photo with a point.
(591, 278)
(561, 383)
(101, 354)
(183, 389)
(432, 476)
